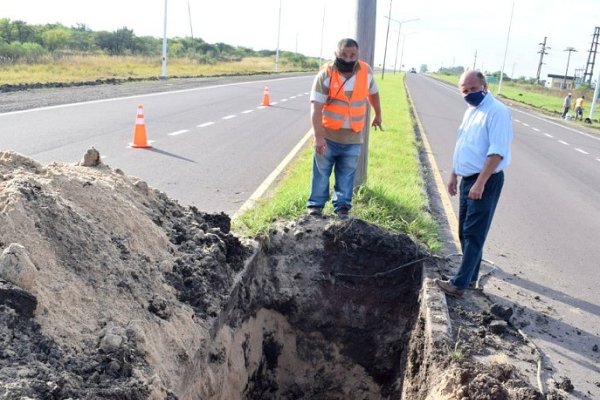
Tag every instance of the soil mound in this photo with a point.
(106, 285)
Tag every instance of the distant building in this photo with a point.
(556, 81)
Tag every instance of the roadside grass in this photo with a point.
(80, 68)
(539, 97)
(394, 195)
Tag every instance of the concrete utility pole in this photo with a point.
(595, 97)
(365, 36)
(163, 74)
(542, 53)
(278, 35)
(564, 83)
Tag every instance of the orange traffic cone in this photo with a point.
(139, 133)
(266, 101)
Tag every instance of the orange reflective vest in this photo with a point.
(339, 107)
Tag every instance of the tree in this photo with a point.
(56, 38)
(423, 69)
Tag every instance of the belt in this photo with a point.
(475, 176)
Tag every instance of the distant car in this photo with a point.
(413, 71)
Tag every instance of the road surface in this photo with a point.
(212, 145)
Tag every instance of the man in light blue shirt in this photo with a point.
(482, 152)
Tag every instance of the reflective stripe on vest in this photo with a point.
(338, 107)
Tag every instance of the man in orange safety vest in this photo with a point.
(340, 97)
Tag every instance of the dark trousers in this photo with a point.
(474, 221)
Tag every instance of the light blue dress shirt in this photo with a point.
(485, 130)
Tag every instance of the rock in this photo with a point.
(91, 158)
(565, 385)
(22, 302)
(501, 311)
(17, 268)
(595, 347)
(498, 327)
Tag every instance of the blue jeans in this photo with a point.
(474, 221)
(343, 159)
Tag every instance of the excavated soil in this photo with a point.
(109, 289)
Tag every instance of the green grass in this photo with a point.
(546, 100)
(394, 195)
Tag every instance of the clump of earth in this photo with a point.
(109, 289)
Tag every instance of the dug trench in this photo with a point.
(109, 289)
(325, 312)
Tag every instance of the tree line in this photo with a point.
(21, 42)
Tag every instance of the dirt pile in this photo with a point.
(120, 280)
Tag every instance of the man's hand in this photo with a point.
(452, 184)
(320, 145)
(377, 123)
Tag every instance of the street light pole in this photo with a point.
(398, 41)
(278, 35)
(163, 74)
(386, 40)
(506, 48)
(564, 83)
(402, 52)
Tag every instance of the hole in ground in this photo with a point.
(325, 311)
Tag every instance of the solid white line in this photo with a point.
(581, 151)
(204, 125)
(258, 193)
(247, 111)
(563, 142)
(229, 117)
(146, 95)
(178, 132)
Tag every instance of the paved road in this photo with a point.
(545, 238)
(212, 145)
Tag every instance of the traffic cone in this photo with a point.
(266, 100)
(139, 132)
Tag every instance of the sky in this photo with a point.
(446, 32)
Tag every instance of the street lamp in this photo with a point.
(163, 74)
(278, 35)
(398, 40)
(570, 50)
(402, 52)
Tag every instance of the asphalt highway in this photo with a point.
(212, 146)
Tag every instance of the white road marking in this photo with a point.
(536, 129)
(178, 132)
(524, 124)
(204, 125)
(516, 120)
(282, 100)
(581, 151)
(563, 142)
(549, 135)
(229, 116)
(247, 111)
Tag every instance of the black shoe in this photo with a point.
(342, 212)
(315, 211)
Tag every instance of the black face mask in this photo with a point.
(343, 65)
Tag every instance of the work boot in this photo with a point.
(342, 213)
(449, 288)
(315, 211)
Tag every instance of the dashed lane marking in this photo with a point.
(178, 132)
(204, 125)
(548, 135)
(229, 116)
(581, 151)
(247, 111)
(563, 142)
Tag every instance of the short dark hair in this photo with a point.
(347, 42)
